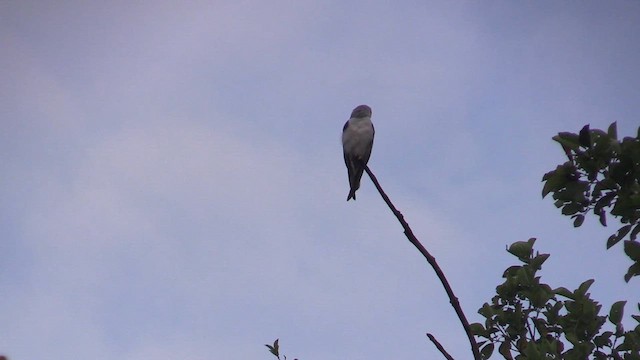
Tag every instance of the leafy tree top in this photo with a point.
(602, 176)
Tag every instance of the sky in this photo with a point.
(172, 182)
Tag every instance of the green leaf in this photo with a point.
(477, 329)
(585, 137)
(532, 351)
(615, 238)
(634, 270)
(619, 329)
(511, 271)
(486, 310)
(570, 140)
(563, 291)
(571, 208)
(571, 337)
(623, 231)
(504, 350)
(538, 260)
(521, 249)
(577, 222)
(613, 131)
(556, 179)
(632, 249)
(603, 339)
(603, 217)
(583, 288)
(486, 351)
(599, 355)
(617, 310)
(604, 201)
(274, 349)
(635, 232)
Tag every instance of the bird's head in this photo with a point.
(361, 111)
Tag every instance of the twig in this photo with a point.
(439, 346)
(432, 261)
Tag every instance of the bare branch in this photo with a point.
(440, 347)
(432, 261)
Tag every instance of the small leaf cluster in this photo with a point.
(527, 319)
(275, 350)
(602, 175)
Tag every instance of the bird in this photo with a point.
(357, 142)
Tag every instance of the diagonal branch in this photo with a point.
(432, 261)
(440, 347)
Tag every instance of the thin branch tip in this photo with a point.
(440, 347)
(432, 261)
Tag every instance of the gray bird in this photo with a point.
(357, 142)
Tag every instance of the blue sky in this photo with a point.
(173, 184)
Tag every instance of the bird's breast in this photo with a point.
(357, 137)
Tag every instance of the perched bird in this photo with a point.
(357, 141)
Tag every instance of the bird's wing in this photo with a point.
(367, 155)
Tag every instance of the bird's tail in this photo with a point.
(354, 182)
(352, 195)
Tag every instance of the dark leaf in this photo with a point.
(585, 137)
(603, 339)
(615, 238)
(617, 310)
(556, 179)
(511, 271)
(571, 337)
(531, 351)
(635, 232)
(584, 287)
(623, 231)
(477, 329)
(613, 131)
(521, 249)
(571, 140)
(563, 291)
(505, 351)
(632, 249)
(603, 217)
(486, 310)
(605, 201)
(275, 348)
(599, 355)
(538, 260)
(612, 240)
(486, 351)
(619, 329)
(634, 270)
(571, 209)
(578, 220)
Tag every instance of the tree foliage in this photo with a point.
(274, 350)
(602, 176)
(528, 319)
